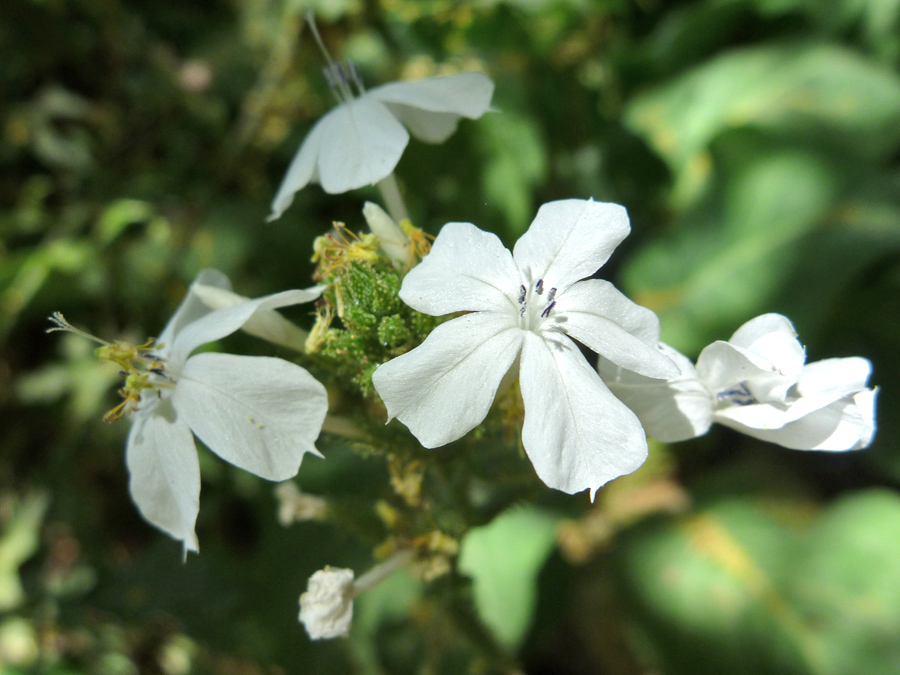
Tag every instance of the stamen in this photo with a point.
(329, 77)
(342, 73)
(524, 307)
(547, 310)
(522, 292)
(551, 295)
(539, 287)
(354, 76)
(739, 395)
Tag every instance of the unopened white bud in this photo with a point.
(295, 506)
(326, 609)
(391, 238)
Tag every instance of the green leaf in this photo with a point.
(847, 584)
(119, 215)
(517, 160)
(732, 590)
(18, 542)
(504, 559)
(825, 91)
(726, 259)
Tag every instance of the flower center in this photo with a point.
(536, 304)
(737, 395)
(340, 76)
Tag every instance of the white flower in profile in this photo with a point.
(259, 413)
(527, 307)
(361, 140)
(756, 383)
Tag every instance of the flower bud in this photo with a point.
(393, 240)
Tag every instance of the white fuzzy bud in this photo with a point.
(326, 609)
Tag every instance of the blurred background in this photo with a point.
(756, 145)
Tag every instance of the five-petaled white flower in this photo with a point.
(758, 384)
(259, 413)
(527, 305)
(361, 140)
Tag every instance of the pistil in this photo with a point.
(142, 369)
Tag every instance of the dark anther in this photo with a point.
(328, 73)
(522, 292)
(551, 295)
(547, 309)
(522, 311)
(539, 287)
(158, 371)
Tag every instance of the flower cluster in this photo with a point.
(430, 334)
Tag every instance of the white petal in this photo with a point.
(756, 415)
(467, 270)
(430, 127)
(600, 317)
(824, 382)
(466, 94)
(835, 377)
(444, 387)
(261, 414)
(192, 307)
(361, 144)
(569, 240)
(669, 410)
(266, 324)
(772, 336)
(576, 433)
(301, 171)
(164, 471)
(761, 327)
(846, 424)
(222, 322)
(722, 366)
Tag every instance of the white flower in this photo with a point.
(758, 384)
(326, 609)
(523, 306)
(259, 413)
(360, 142)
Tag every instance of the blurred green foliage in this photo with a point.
(756, 144)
